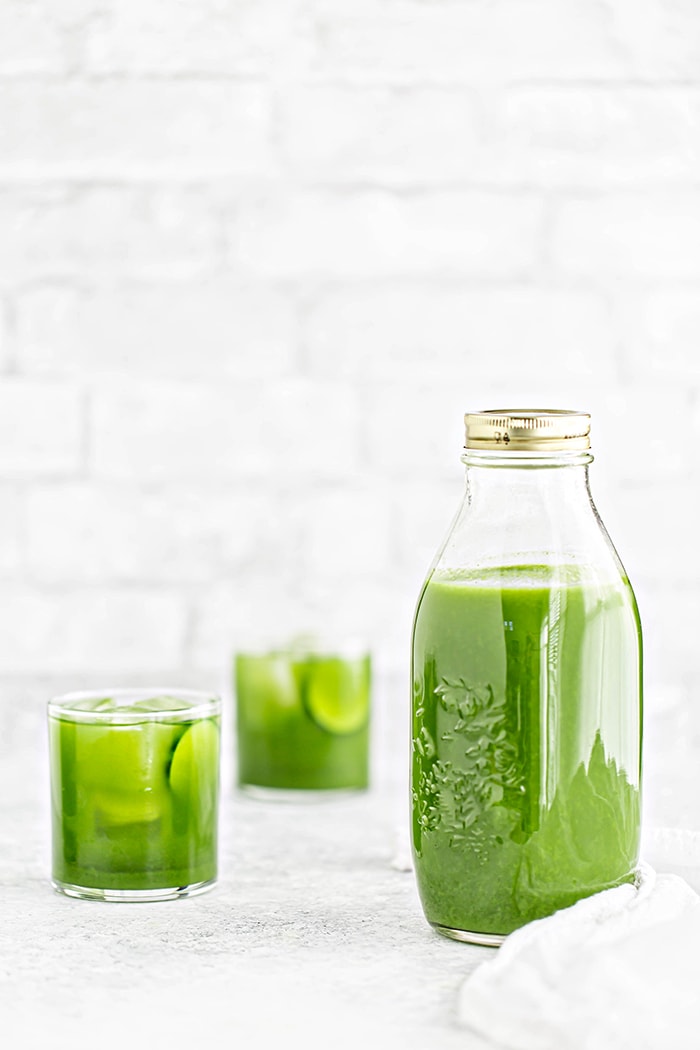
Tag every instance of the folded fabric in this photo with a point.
(617, 971)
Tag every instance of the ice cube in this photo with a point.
(155, 704)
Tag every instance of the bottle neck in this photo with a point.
(527, 483)
(525, 508)
(504, 460)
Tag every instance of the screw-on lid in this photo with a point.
(528, 429)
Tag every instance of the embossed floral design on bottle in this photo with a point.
(455, 797)
(526, 690)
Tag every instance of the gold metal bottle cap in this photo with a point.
(528, 430)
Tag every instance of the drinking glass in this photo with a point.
(303, 719)
(134, 786)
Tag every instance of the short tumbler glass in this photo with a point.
(135, 789)
(302, 720)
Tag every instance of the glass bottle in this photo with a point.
(526, 672)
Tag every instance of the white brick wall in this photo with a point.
(81, 232)
(85, 533)
(33, 37)
(142, 129)
(212, 37)
(477, 42)
(42, 429)
(165, 432)
(256, 259)
(633, 235)
(662, 332)
(244, 331)
(100, 630)
(345, 135)
(324, 235)
(389, 334)
(594, 136)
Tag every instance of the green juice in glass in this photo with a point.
(135, 783)
(525, 769)
(302, 720)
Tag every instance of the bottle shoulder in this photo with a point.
(539, 531)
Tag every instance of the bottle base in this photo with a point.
(94, 893)
(486, 940)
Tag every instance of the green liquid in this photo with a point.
(134, 806)
(303, 721)
(526, 743)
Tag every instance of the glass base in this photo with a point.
(169, 893)
(486, 940)
(272, 794)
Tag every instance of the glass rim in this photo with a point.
(515, 458)
(318, 647)
(200, 705)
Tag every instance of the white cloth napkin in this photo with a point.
(617, 971)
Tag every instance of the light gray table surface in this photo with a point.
(312, 937)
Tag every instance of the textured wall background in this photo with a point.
(256, 259)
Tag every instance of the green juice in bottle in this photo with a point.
(526, 670)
